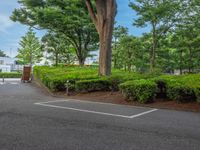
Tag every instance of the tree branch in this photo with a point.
(91, 12)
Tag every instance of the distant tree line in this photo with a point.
(172, 43)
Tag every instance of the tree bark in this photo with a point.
(81, 61)
(79, 53)
(103, 19)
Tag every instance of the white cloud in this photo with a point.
(5, 22)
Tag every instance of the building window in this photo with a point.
(1, 62)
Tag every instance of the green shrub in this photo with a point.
(197, 93)
(115, 80)
(180, 92)
(179, 88)
(142, 90)
(93, 85)
(192, 81)
(162, 82)
(10, 75)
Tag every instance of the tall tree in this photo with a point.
(187, 44)
(160, 15)
(58, 49)
(130, 53)
(187, 38)
(30, 51)
(68, 17)
(2, 54)
(118, 33)
(103, 14)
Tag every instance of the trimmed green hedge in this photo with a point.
(135, 86)
(55, 78)
(184, 88)
(197, 93)
(180, 92)
(93, 85)
(142, 90)
(10, 75)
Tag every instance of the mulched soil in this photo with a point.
(117, 98)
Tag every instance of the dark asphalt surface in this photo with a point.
(26, 126)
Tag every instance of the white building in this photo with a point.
(8, 64)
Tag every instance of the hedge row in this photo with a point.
(140, 87)
(185, 88)
(55, 78)
(10, 75)
(93, 85)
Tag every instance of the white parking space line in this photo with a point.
(143, 113)
(46, 104)
(51, 102)
(86, 101)
(83, 110)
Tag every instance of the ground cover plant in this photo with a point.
(134, 86)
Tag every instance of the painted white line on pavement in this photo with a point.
(90, 111)
(51, 102)
(143, 113)
(86, 101)
(82, 110)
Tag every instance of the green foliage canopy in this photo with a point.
(68, 17)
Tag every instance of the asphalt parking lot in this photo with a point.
(32, 120)
(98, 108)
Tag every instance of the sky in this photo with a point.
(11, 32)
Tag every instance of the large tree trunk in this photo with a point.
(81, 62)
(105, 53)
(80, 57)
(103, 19)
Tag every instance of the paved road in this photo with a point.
(27, 126)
